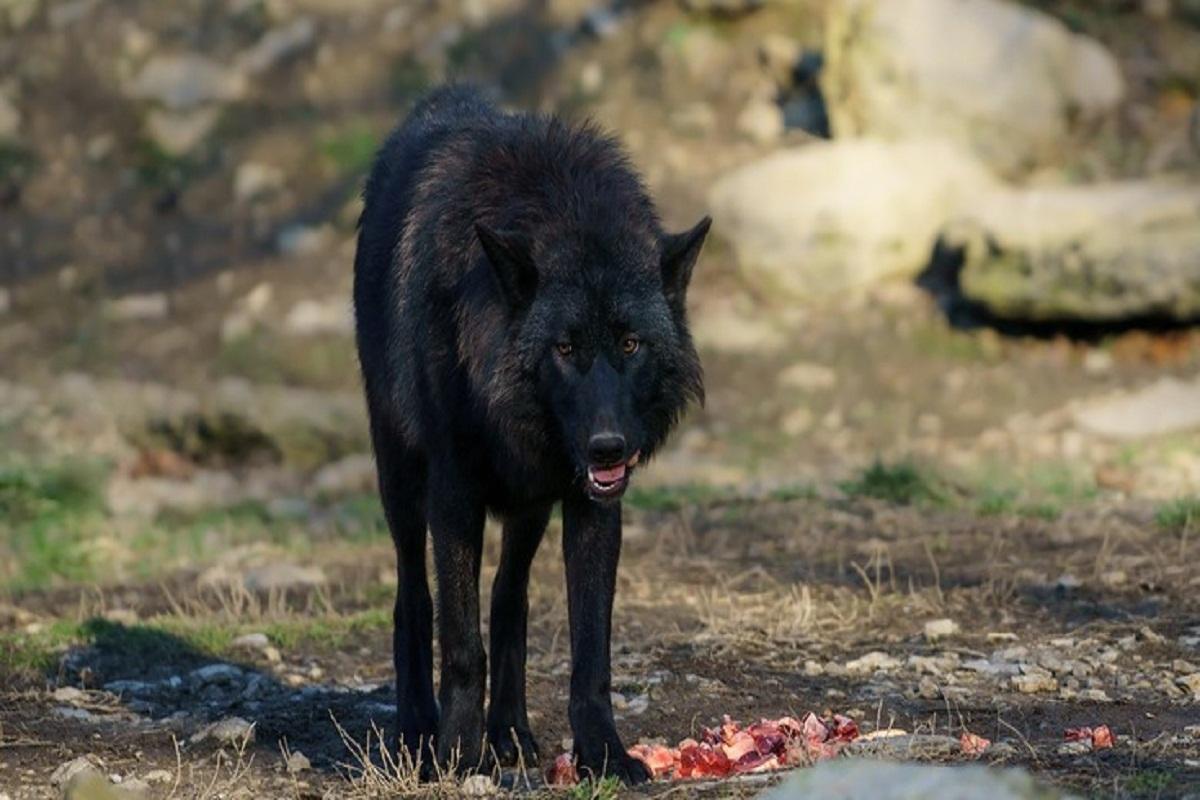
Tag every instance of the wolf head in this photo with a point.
(599, 337)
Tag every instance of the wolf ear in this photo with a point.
(679, 254)
(509, 255)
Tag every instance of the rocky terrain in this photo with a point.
(947, 479)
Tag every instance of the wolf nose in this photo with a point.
(606, 448)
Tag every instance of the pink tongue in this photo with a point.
(610, 475)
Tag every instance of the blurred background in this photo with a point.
(962, 233)
(954, 285)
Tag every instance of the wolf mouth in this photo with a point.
(606, 483)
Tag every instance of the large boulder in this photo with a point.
(883, 780)
(1006, 80)
(1097, 253)
(831, 216)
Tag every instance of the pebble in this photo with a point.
(231, 730)
(67, 771)
(252, 641)
(297, 762)
(940, 628)
(876, 660)
(1034, 683)
(215, 674)
(477, 786)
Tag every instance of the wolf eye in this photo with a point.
(630, 345)
(564, 349)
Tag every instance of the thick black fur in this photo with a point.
(521, 323)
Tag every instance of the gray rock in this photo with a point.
(185, 81)
(1165, 406)
(280, 576)
(940, 628)
(818, 220)
(252, 641)
(297, 762)
(277, 45)
(180, 132)
(231, 730)
(1006, 80)
(215, 675)
(83, 765)
(881, 780)
(254, 180)
(332, 315)
(150, 306)
(1101, 253)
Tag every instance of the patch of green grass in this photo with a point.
(1047, 510)
(29, 492)
(331, 632)
(17, 163)
(352, 148)
(322, 362)
(903, 482)
(1180, 514)
(36, 652)
(994, 502)
(675, 497)
(1149, 783)
(608, 788)
(47, 512)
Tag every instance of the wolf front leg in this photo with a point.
(591, 549)
(456, 517)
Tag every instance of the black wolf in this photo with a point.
(523, 341)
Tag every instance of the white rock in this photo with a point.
(68, 771)
(252, 641)
(180, 132)
(876, 660)
(309, 317)
(185, 81)
(940, 628)
(477, 786)
(254, 180)
(153, 306)
(281, 576)
(297, 762)
(761, 121)
(869, 779)
(1099, 252)
(817, 220)
(1004, 79)
(231, 730)
(1165, 406)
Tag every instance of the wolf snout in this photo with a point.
(606, 449)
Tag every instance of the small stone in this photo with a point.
(278, 45)
(477, 786)
(231, 730)
(1190, 682)
(254, 180)
(940, 628)
(761, 122)
(252, 641)
(282, 576)
(312, 317)
(161, 776)
(873, 661)
(183, 82)
(302, 240)
(1034, 683)
(67, 771)
(215, 674)
(133, 307)
(69, 695)
(272, 655)
(297, 762)
(1067, 583)
(928, 689)
(179, 132)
